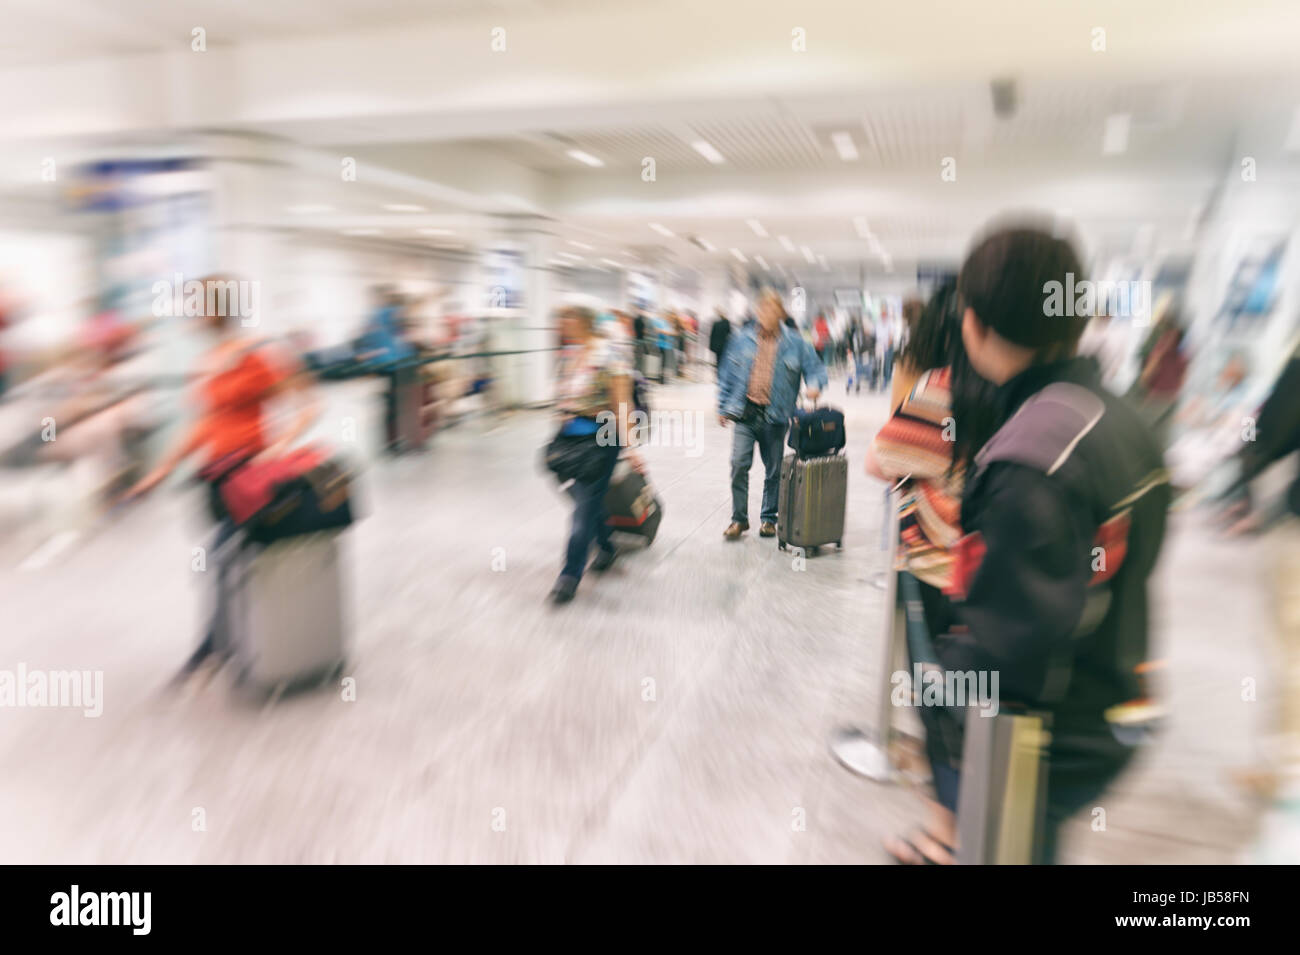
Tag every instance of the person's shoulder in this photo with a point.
(1022, 497)
(269, 356)
(1047, 427)
(938, 377)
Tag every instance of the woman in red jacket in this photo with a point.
(239, 379)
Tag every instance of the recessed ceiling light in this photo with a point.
(308, 209)
(581, 245)
(786, 243)
(435, 231)
(662, 230)
(617, 265)
(757, 227)
(361, 232)
(740, 256)
(402, 207)
(1115, 140)
(860, 224)
(585, 157)
(761, 263)
(844, 146)
(706, 150)
(808, 255)
(707, 245)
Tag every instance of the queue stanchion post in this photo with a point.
(866, 752)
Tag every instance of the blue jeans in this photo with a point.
(589, 517)
(770, 439)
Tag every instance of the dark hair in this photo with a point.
(912, 310)
(936, 343)
(212, 287)
(930, 342)
(974, 409)
(1006, 278)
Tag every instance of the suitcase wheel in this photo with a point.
(780, 545)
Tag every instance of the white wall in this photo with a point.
(50, 276)
(328, 284)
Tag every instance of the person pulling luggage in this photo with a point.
(238, 378)
(594, 382)
(762, 370)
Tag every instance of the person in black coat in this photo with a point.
(719, 334)
(1063, 517)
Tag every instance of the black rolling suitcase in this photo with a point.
(814, 493)
(632, 505)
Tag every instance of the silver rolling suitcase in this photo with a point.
(1002, 805)
(814, 493)
(284, 614)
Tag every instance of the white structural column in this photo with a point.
(524, 380)
(251, 176)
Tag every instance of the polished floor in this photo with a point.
(677, 711)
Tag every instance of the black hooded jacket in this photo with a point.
(1064, 514)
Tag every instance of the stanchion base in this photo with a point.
(862, 756)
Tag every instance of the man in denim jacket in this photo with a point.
(758, 385)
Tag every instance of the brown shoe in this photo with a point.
(734, 530)
(767, 529)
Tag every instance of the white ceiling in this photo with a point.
(41, 31)
(411, 89)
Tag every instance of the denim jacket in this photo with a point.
(795, 359)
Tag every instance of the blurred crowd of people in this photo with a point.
(1032, 493)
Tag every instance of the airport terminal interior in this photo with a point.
(416, 219)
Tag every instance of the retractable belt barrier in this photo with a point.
(127, 386)
(130, 385)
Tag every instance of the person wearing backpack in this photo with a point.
(238, 379)
(1063, 516)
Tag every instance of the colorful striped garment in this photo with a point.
(916, 445)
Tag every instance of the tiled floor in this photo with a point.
(677, 711)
